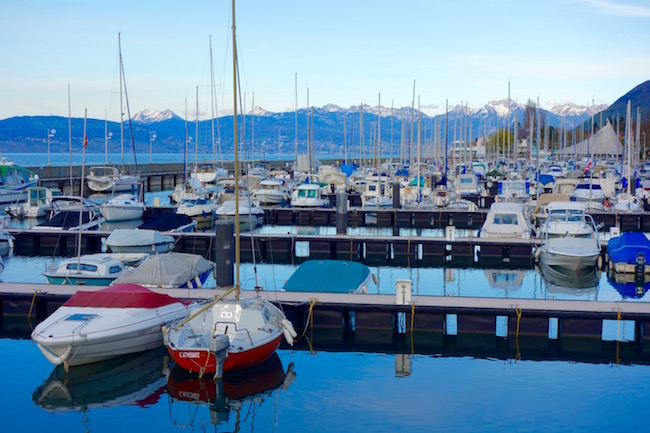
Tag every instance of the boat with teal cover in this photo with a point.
(333, 276)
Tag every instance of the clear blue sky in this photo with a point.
(345, 52)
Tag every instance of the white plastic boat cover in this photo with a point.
(136, 237)
(166, 270)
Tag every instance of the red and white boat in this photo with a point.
(103, 324)
(227, 335)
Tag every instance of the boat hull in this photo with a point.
(83, 335)
(203, 361)
(122, 213)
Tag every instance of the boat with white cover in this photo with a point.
(139, 241)
(93, 326)
(169, 270)
(506, 220)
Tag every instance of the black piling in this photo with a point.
(224, 253)
(341, 213)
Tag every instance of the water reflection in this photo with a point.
(568, 285)
(630, 286)
(237, 390)
(136, 379)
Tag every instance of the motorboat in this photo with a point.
(310, 195)
(250, 215)
(93, 326)
(629, 253)
(169, 270)
(13, 182)
(570, 241)
(333, 276)
(377, 193)
(200, 209)
(6, 242)
(72, 213)
(38, 203)
(513, 190)
(123, 207)
(192, 189)
(506, 220)
(271, 192)
(99, 269)
(589, 190)
(169, 223)
(133, 379)
(466, 184)
(227, 335)
(139, 241)
(106, 178)
(567, 218)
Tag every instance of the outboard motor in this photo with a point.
(219, 348)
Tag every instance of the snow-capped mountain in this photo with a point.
(569, 109)
(153, 116)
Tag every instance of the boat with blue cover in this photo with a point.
(628, 250)
(332, 276)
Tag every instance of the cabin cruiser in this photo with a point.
(38, 203)
(108, 178)
(271, 192)
(569, 238)
(250, 215)
(506, 220)
(123, 207)
(92, 269)
(13, 181)
(309, 195)
(72, 213)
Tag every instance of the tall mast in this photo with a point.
(236, 149)
(119, 46)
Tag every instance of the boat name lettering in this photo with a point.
(190, 354)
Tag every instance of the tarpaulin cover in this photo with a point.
(120, 296)
(624, 248)
(339, 276)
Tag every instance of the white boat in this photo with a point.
(38, 203)
(506, 220)
(569, 239)
(467, 184)
(190, 190)
(6, 242)
(309, 195)
(72, 213)
(200, 209)
(95, 326)
(250, 215)
(377, 192)
(513, 190)
(139, 241)
(123, 207)
(271, 192)
(108, 178)
(169, 270)
(589, 190)
(13, 181)
(91, 269)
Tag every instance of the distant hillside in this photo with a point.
(276, 133)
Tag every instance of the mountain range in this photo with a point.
(265, 132)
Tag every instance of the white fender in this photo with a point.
(287, 336)
(286, 324)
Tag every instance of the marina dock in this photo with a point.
(427, 323)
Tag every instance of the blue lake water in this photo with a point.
(331, 391)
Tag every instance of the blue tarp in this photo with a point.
(338, 276)
(545, 179)
(624, 248)
(348, 169)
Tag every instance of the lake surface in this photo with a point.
(331, 391)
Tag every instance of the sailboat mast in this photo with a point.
(119, 46)
(81, 191)
(236, 149)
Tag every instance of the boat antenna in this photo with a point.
(236, 151)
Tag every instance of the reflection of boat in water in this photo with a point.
(135, 379)
(236, 388)
(629, 285)
(505, 279)
(571, 283)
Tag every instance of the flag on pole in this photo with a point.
(85, 142)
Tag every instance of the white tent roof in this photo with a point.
(603, 142)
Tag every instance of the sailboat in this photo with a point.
(227, 335)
